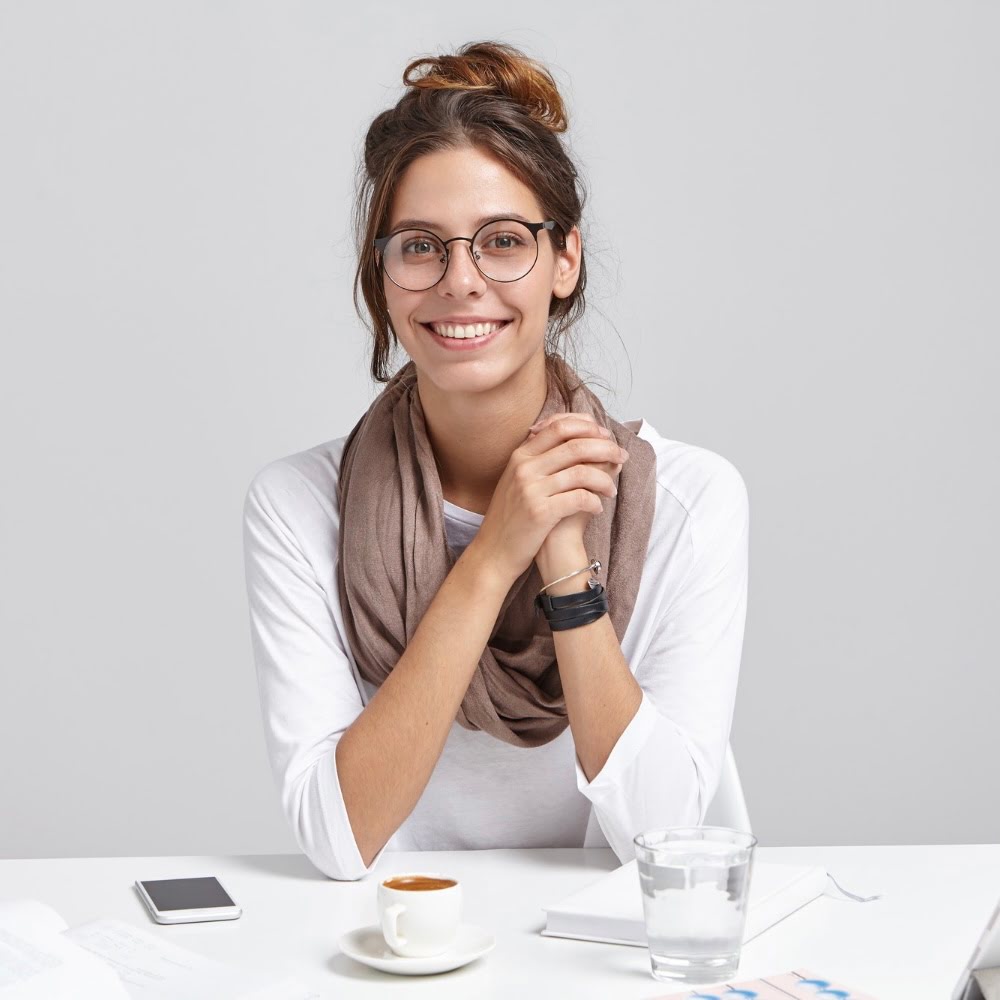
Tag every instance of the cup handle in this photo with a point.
(390, 925)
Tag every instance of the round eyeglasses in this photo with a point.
(502, 249)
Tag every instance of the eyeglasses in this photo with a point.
(503, 250)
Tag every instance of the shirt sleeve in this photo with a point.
(308, 691)
(666, 765)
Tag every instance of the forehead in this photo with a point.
(453, 190)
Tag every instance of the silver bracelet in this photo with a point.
(595, 565)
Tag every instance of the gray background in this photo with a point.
(793, 231)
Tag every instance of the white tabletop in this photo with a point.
(912, 944)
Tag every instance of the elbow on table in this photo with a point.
(316, 813)
(319, 848)
(336, 872)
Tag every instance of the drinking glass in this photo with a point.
(695, 883)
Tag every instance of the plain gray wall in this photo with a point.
(793, 228)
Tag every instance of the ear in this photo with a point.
(567, 264)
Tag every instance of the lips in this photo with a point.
(499, 325)
(470, 322)
(465, 343)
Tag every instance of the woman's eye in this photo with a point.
(505, 241)
(419, 247)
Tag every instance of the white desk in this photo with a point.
(910, 945)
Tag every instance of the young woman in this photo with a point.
(490, 615)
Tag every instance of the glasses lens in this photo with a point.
(414, 259)
(505, 251)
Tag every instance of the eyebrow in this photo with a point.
(424, 224)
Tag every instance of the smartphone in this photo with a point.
(187, 900)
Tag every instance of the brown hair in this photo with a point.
(491, 96)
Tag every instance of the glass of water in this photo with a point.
(695, 883)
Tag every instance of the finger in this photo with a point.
(552, 417)
(586, 477)
(570, 425)
(575, 501)
(610, 468)
(544, 422)
(577, 451)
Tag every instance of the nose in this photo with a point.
(462, 276)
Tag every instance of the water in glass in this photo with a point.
(695, 894)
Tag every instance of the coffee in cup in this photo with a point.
(419, 913)
(418, 883)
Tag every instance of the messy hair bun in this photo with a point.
(493, 97)
(493, 66)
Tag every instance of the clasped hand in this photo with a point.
(551, 487)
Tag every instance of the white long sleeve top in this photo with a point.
(683, 645)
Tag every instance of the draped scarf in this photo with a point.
(394, 556)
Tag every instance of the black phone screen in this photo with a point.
(186, 893)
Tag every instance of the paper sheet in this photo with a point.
(154, 969)
(797, 984)
(52, 968)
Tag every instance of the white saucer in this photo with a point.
(366, 945)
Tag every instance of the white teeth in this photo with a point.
(464, 332)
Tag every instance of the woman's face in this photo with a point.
(451, 192)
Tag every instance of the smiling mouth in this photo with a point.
(460, 332)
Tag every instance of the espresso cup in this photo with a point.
(419, 913)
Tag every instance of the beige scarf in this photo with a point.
(394, 557)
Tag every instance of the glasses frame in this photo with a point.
(534, 227)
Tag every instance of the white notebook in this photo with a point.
(610, 909)
(42, 958)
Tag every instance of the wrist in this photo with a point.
(492, 580)
(557, 561)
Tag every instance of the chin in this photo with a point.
(469, 377)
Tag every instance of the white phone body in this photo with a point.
(187, 900)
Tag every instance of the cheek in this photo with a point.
(399, 304)
(544, 282)
(532, 298)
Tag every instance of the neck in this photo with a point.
(473, 434)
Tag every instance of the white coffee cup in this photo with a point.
(419, 913)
